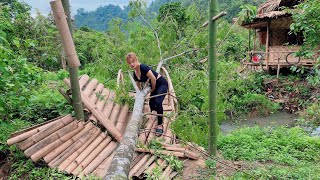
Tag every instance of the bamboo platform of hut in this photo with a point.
(85, 148)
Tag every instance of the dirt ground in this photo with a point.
(196, 169)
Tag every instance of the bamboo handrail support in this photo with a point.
(221, 14)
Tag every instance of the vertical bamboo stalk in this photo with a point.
(267, 46)
(213, 9)
(68, 46)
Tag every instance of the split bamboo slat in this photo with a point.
(46, 150)
(103, 168)
(145, 166)
(82, 163)
(26, 133)
(45, 132)
(79, 151)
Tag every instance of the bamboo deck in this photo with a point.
(83, 148)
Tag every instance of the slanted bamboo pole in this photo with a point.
(101, 102)
(71, 149)
(98, 90)
(103, 168)
(46, 150)
(152, 151)
(51, 138)
(103, 120)
(90, 87)
(101, 157)
(77, 166)
(83, 80)
(166, 172)
(213, 11)
(143, 136)
(25, 134)
(82, 150)
(114, 113)
(137, 157)
(146, 165)
(139, 165)
(53, 154)
(69, 49)
(109, 104)
(122, 118)
(44, 133)
(154, 165)
(173, 174)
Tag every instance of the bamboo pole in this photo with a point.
(44, 133)
(114, 113)
(83, 80)
(122, 118)
(53, 154)
(69, 49)
(46, 150)
(101, 157)
(139, 165)
(152, 151)
(146, 165)
(79, 166)
(137, 157)
(90, 144)
(213, 10)
(267, 46)
(51, 138)
(103, 168)
(90, 87)
(26, 133)
(72, 148)
(103, 120)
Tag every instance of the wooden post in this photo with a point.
(254, 40)
(70, 51)
(278, 68)
(267, 46)
(249, 39)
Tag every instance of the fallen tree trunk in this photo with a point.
(120, 165)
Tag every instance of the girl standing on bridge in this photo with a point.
(159, 85)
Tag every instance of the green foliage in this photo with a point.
(281, 145)
(303, 171)
(155, 174)
(305, 17)
(247, 14)
(310, 116)
(174, 11)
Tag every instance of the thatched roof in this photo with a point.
(272, 14)
(272, 5)
(270, 10)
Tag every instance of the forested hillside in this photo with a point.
(99, 19)
(31, 73)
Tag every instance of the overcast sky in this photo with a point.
(44, 5)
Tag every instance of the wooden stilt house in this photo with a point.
(273, 47)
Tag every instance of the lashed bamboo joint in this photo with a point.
(81, 148)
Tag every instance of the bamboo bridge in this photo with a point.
(86, 148)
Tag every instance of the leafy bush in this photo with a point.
(281, 145)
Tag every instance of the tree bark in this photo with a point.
(120, 165)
